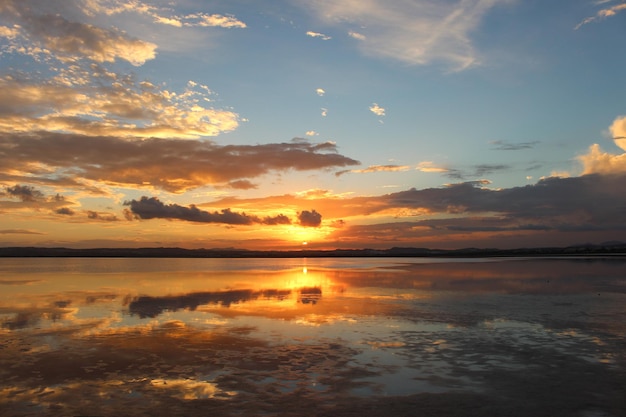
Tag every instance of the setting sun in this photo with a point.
(108, 143)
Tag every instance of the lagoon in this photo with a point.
(313, 336)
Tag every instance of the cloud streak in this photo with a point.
(500, 145)
(170, 165)
(603, 14)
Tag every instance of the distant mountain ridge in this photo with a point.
(608, 248)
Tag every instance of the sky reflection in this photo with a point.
(274, 335)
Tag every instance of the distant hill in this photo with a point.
(609, 248)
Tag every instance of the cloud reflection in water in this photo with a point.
(326, 340)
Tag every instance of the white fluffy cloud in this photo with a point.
(618, 132)
(596, 161)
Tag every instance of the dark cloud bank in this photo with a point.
(153, 208)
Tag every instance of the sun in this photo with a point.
(305, 243)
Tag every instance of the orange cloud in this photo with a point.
(68, 40)
(171, 165)
(376, 168)
(595, 161)
(104, 106)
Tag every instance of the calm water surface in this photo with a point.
(314, 337)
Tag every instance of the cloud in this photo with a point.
(320, 92)
(429, 166)
(376, 168)
(65, 211)
(596, 161)
(310, 218)
(576, 209)
(324, 112)
(603, 14)
(213, 20)
(618, 132)
(170, 165)
(19, 232)
(108, 104)
(500, 145)
(415, 32)
(68, 39)
(76, 88)
(318, 35)
(476, 171)
(105, 217)
(377, 110)
(147, 306)
(152, 208)
(9, 32)
(312, 133)
(586, 201)
(24, 192)
(357, 35)
(160, 15)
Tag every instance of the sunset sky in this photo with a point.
(343, 124)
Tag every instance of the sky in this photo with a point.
(283, 124)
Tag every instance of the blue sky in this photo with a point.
(303, 109)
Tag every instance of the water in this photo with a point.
(366, 336)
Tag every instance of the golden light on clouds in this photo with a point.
(150, 124)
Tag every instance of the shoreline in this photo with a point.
(613, 249)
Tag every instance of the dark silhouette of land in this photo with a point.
(608, 248)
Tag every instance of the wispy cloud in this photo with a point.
(429, 166)
(320, 92)
(318, 35)
(603, 13)
(375, 168)
(415, 32)
(160, 15)
(476, 171)
(357, 35)
(19, 232)
(501, 145)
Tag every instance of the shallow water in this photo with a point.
(366, 336)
